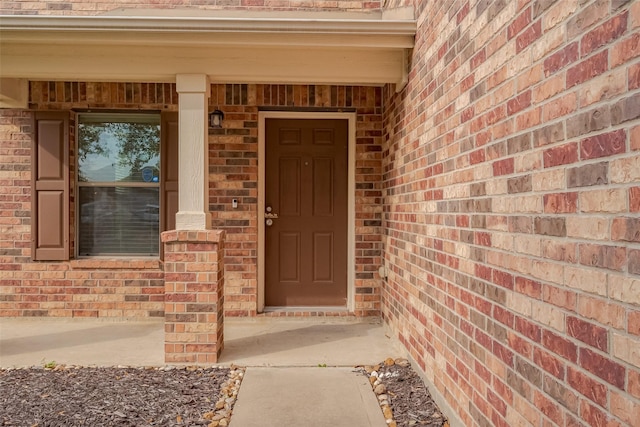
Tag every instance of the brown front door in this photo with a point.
(306, 188)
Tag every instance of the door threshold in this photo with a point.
(307, 308)
(306, 311)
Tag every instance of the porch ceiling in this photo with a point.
(365, 48)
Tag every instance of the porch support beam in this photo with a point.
(14, 93)
(267, 47)
(193, 175)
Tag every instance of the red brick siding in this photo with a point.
(77, 288)
(233, 174)
(234, 171)
(510, 188)
(194, 296)
(88, 7)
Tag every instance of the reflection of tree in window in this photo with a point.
(137, 146)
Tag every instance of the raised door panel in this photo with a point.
(323, 186)
(323, 253)
(289, 183)
(289, 257)
(323, 136)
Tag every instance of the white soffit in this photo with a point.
(229, 46)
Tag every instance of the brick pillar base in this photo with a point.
(194, 296)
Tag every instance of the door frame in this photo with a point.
(351, 188)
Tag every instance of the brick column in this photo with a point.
(194, 296)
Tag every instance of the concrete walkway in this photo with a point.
(307, 342)
(88, 342)
(310, 397)
(248, 342)
(299, 371)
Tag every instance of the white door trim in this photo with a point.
(351, 188)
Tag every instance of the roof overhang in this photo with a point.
(313, 48)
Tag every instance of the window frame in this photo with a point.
(114, 184)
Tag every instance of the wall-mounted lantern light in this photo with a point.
(215, 119)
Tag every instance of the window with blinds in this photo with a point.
(118, 182)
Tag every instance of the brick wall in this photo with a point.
(84, 7)
(194, 296)
(77, 288)
(511, 173)
(233, 168)
(106, 288)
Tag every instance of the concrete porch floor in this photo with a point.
(261, 341)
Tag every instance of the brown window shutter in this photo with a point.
(169, 159)
(50, 187)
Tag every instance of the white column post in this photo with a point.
(193, 177)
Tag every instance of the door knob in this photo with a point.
(269, 214)
(269, 222)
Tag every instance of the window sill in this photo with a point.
(115, 264)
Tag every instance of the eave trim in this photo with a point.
(241, 49)
(12, 25)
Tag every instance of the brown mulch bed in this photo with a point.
(406, 394)
(108, 396)
(76, 396)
